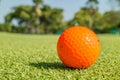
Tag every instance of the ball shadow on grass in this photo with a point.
(49, 65)
(53, 65)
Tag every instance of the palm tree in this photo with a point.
(38, 13)
(92, 7)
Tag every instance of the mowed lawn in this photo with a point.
(34, 57)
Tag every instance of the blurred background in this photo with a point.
(54, 16)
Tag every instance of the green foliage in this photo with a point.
(6, 27)
(92, 18)
(35, 18)
(96, 1)
(21, 13)
(51, 19)
(38, 1)
(83, 18)
(41, 18)
(19, 29)
(92, 3)
(34, 57)
(87, 16)
(24, 16)
(56, 19)
(111, 19)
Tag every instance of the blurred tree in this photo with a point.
(51, 19)
(31, 16)
(88, 16)
(83, 17)
(92, 3)
(56, 19)
(111, 19)
(38, 13)
(6, 27)
(92, 9)
(45, 19)
(23, 15)
(27, 16)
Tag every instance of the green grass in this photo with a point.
(34, 57)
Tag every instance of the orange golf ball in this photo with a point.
(78, 47)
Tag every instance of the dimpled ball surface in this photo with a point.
(78, 47)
